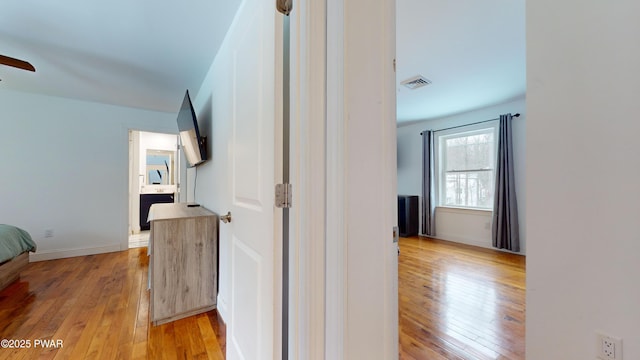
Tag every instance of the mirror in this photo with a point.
(160, 167)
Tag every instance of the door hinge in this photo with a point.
(284, 195)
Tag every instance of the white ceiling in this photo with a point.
(472, 50)
(140, 53)
(145, 53)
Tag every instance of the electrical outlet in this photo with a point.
(608, 347)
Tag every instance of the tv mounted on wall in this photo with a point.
(193, 145)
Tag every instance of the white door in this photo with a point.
(250, 332)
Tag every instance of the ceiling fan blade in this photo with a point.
(20, 64)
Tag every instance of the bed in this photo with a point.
(15, 245)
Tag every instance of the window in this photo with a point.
(466, 166)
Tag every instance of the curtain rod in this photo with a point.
(479, 122)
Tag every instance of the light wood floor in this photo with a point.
(455, 302)
(98, 306)
(460, 302)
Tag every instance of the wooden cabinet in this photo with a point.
(183, 254)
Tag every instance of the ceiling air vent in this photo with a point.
(416, 82)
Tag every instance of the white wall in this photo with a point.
(464, 226)
(65, 168)
(214, 108)
(583, 177)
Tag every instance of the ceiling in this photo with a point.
(141, 53)
(145, 53)
(472, 51)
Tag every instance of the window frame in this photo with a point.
(440, 160)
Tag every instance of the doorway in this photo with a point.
(154, 177)
(459, 298)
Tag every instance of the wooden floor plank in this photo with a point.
(460, 302)
(98, 306)
(455, 302)
(210, 337)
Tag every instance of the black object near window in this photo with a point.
(408, 215)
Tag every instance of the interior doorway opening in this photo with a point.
(154, 177)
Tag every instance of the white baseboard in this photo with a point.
(61, 254)
(464, 240)
(467, 241)
(223, 309)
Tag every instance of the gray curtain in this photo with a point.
(428, 187)
(505, 231)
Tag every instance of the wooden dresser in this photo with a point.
(183, 267)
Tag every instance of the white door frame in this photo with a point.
(328, 117)
(307, 232)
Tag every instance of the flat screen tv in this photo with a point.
(193, 145)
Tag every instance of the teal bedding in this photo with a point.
(13, 242)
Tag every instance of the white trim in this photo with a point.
(307, 234)
(469, 241)
(296, 327)
(389, 193)
(133, 215)
(335, 263)
(222, 308)
(61, 254)
(463, 210)
(461, 240)
(278, 230)
(330, 188)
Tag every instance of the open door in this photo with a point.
(250, 233)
